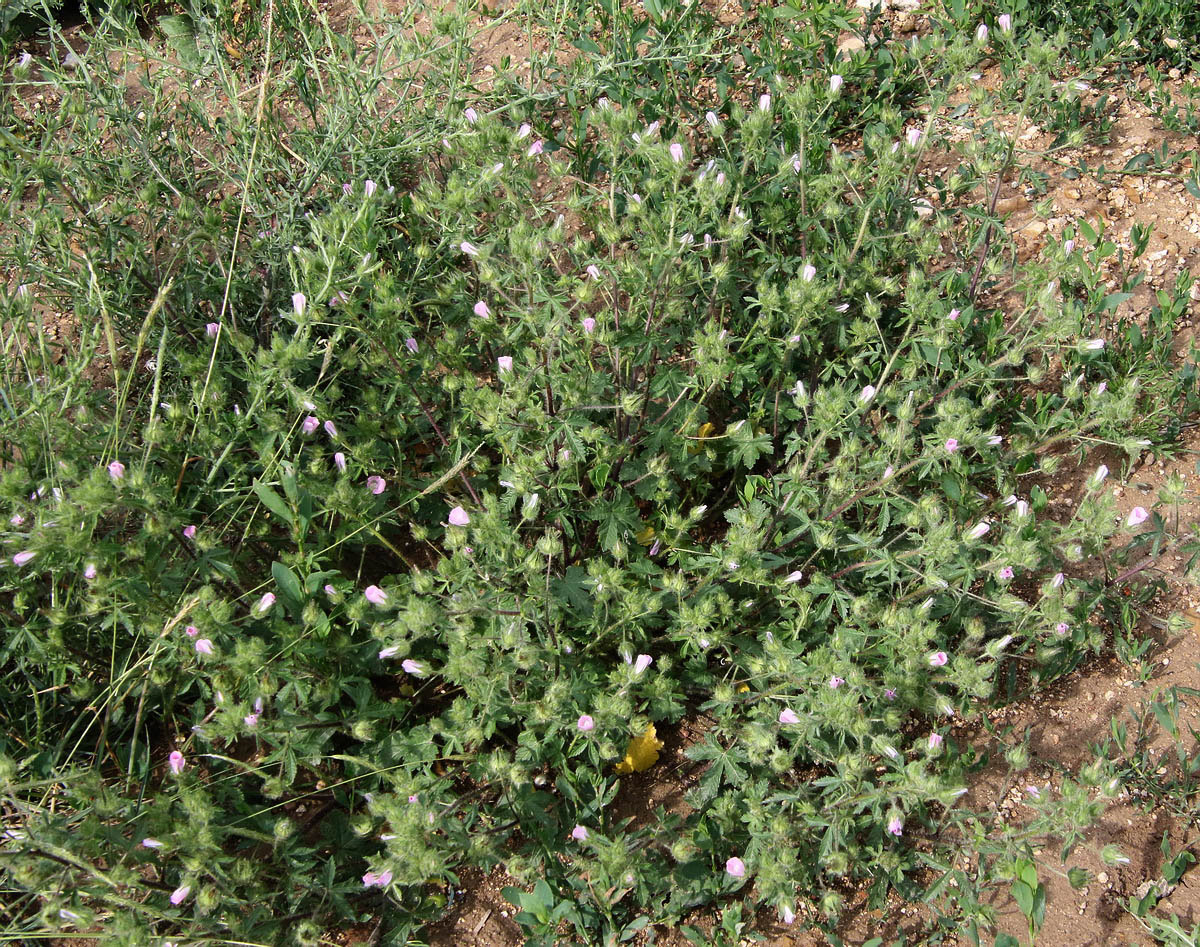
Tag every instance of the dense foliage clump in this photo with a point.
(417, 460)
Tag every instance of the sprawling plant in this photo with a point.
(384, 525)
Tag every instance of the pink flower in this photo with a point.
(469, 248)
(415, 668)
(251, 720)
(17, 519)
(953, 315)
(764, 102)
(339, 460)
(176, 762)
(711, 118)
(867, 394)
(1004, 21)
(471, 115)
(935, 741)
(787, 915)
(1022, 508)
(310, 424)
(938, 659)
(1137, 516)
(913, 137)
(1068, 246)
(981, 34)
(579, 833)
(585, 723)
(1058, 580)
(482, 310)
(180, 894)
(459, 517)
(523, 131)
(151, 843)
(951, 445)
(116, 470)
(535, 149)
(189, 532)
(643, 661)
(377, 879)
(593, 271)
(505, 363)
(889, 693)
(330, 429)
(191, 631)
(376, 484)
(1094, 345)
(735, 867)
(264, 604)
(676, 152)
(389, 652)
(1005, 573)
(895, 826)
(411, 344)
(808, 272)
(787, 715)
(1062, 628)
(205, 646)
(835, 682)
(89, 571)
(589, 325)
(299, 302)
(368, 187)
(375, 595)
(978, 530)
(212, 329)
(793, 577)
(347, 189)
(22, 558)
(835, 83)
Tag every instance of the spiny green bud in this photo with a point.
(1111, 856)
(1018, 757)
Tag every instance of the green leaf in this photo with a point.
(273, 502)
(181, 37)
(1113, 300)
(1164, 716)
(288, 584)
(1023, 895)
(599, 475)
(1139, 162)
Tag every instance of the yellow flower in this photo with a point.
(742, 689)
(702, 435)
(642, 752)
